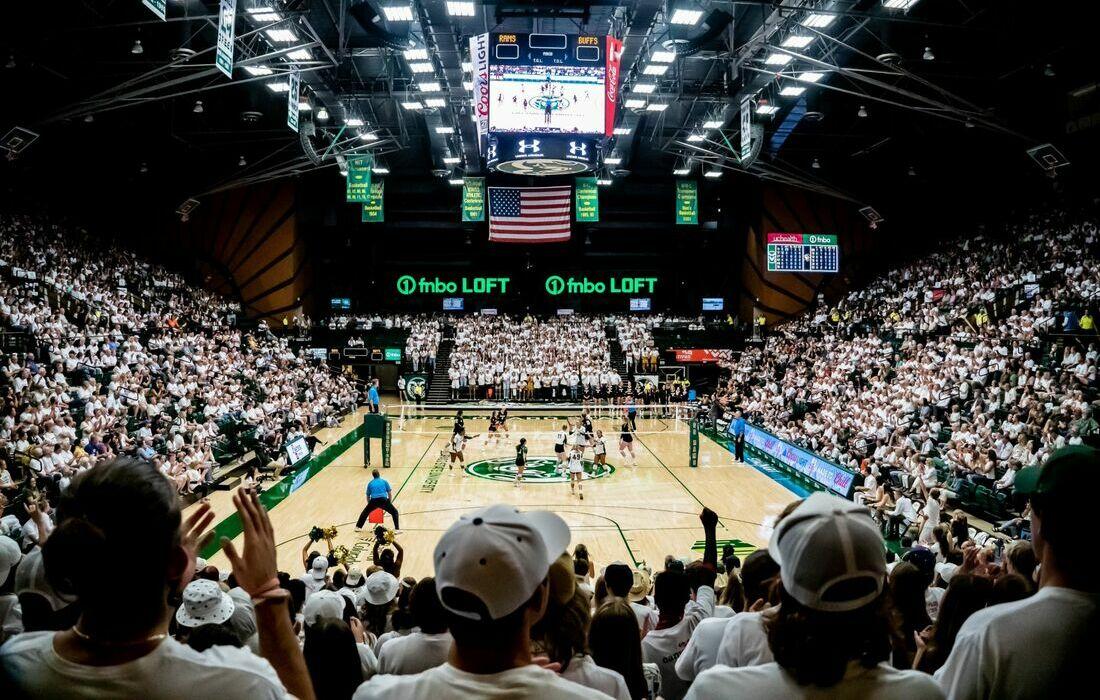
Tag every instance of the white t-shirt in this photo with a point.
(584, 670)
(169, 672)
(882, 682)
(413, 653)
(647, 617)
(1040, 646)
(701, 651)
(446, 681)
(457, 442)
(744, 642)
(663, 647)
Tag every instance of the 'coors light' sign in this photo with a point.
(479, 56)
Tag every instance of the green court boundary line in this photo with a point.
(231, 526)
(417, 466)
(673, 475)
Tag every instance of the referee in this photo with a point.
(379, 495)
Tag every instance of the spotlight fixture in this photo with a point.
(444, 130)
(645, 88)
(460, 9)
(281, 36)
(451, 160)
(143, 168)
(380, 170)
(612, 160)
(681, 171)
(422, 67)
(633, 103)
(435, 102)
(928, 55)
(766, 109)
(797, 41)
(792, 91)
(456, 180)
(412, 105)
(816, 165)
(353, 121)
(912, 171)
(818, 20)
(656, 106)
(398, 13)
(621, 130)
(685, 16)
(604, 181)
(242, 162)
(137, 48)
(713, 173)
(777, 59)
(713, 124)
(662, 57)
(197, 109)
(429, 87)
(11, 62)
(89, 118)
(862, 112)
(809, 76)
(322, 115)
(416, 54)
(258, 70)
(368, 136)
(1048, 71)
(696, 138)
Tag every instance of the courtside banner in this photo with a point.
(832, 476)
(358, 179)
(700, 355)
(227, 21)
(293, 96)
(479, 57)
(587, 199)
(611, 83)
(159, 7)
(372, 208)
(473, 199)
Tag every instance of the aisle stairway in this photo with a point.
(439, 390)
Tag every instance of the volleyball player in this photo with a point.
(576, 472)
(494, 424)
(560, 439)
(503, 420)
(626, 440)
(458, 443)
(599, 449)
(521, 459)
(580, 437)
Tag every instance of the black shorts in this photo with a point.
(559, 448)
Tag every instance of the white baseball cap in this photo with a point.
(204, 603)
(381, 587)
(498, 555)
(355, 575)
(824, 542)
(9, 557)
(320, 567)
(323, 605)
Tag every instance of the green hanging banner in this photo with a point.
(588, 199)
(687, 202)
(372, 208)
(473, 199)
(358, 180)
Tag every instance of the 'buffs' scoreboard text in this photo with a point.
(803, 252)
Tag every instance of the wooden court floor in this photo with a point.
(639, 513)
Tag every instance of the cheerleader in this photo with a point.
(626, 440)
(521, 460)
(576, 473)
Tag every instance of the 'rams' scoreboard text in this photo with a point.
(803, 252)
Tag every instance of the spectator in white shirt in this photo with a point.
(426, 647)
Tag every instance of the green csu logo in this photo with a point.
(540, 470)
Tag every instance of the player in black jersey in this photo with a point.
(494, 424)
(502, 420)
(521, 459)
(460, 424)
(626, 440)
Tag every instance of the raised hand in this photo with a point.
(193, 533)
(255, 567)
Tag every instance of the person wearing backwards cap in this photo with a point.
(1042, 645)
(832, 632)
(491, 577)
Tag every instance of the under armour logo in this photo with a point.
(533, 146)
(576, 149)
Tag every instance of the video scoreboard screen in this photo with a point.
(454, 303)
(549, 83)
(714, 303)
(641, 304)
(803, 252)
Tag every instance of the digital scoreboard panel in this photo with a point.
(547, 83)
(803, 252)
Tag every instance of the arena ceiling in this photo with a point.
(861, 99)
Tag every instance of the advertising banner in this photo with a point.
(479, 57)
(832, 476)
(611, 88)
(227, 19)
(293, 101)
(698, 355)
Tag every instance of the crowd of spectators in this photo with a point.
(124, 358)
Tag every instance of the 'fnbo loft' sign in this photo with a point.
(554, 285)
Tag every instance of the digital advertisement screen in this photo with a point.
(831, 476)
(547, 83)
(640, 304)
(713, 303)
(803, 252)
(454, 303)
(392, 354)
(565, 312)
(297, 450)
(340, 303)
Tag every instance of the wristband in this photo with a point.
(269, 586)
(275, 595)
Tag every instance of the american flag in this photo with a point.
(529, 214)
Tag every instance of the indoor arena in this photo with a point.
(549, 350)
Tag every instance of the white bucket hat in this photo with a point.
(381, 587)
(204, 603)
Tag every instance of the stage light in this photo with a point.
(264, 14)
(444, 130)
(353, 121)
(283, 36)
(818, 20)
(713, 173)
(655, 69)
(368, 136)
(645, 88)
(197, 109)
(322, 115)
(467, 67)
(604, 181)
(662, 57)
(242, 162)
(278, 86)
(137, 48)
(435, 102)
(460, 9)
(681, 171)
(928, 55)
(912, 171)
(633, 103)
(816, 165)
(612, 160)
(304, 106)
(380, 170)
(300, 55)
(862, 112)
(899, 4)
(713, 124)
(766, 109)
(792, 91)
(416, 54)
(429, 87)
(422, 67)
(258, 70)
(143, 168)
(797, 41)
(468, 85)
(398, 13)
(777, 59)
(621, 130)
(456, 180)
(696, 138)
(809, 76)
(451, 160)
(684, 16)
(656, 107)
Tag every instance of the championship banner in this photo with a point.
(293, 97)
(479, 57)
(693, 443)
(372, 208)
(687, 202)
(358, 179)
(159, 7)
(227, 19)
(473, 199)
(588, 199)
(746, 130)
(614, 53)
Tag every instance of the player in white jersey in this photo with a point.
(599, 449)
(576, 472)
(458, 444)
(560, 438)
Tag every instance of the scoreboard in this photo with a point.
(803, 252)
